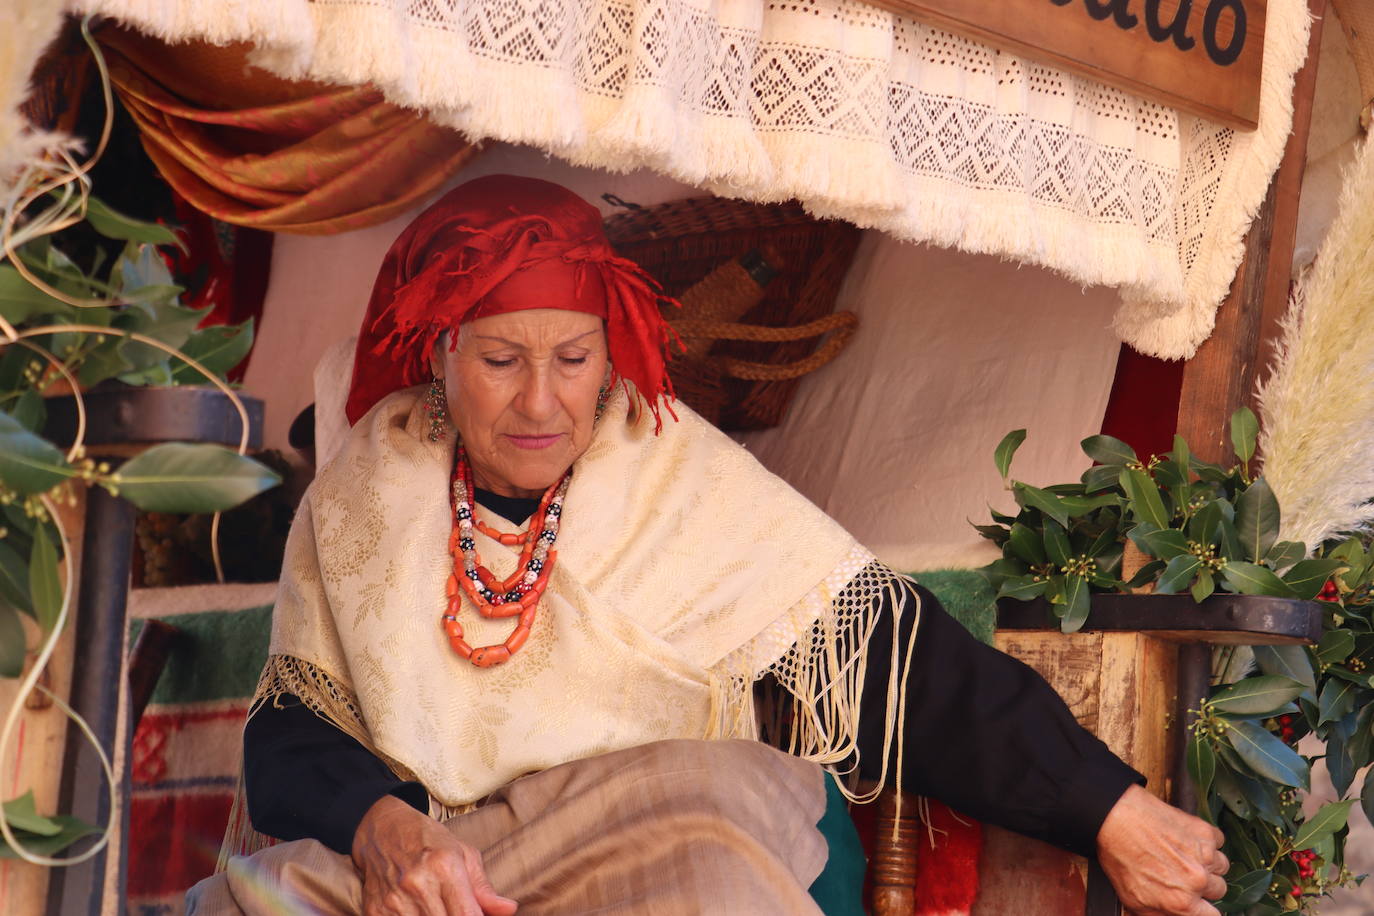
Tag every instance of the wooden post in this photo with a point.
(1223, 374)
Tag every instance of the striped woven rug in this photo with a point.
(187, 748)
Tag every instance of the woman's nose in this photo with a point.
(537, 398)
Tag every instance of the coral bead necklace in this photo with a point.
(517, 595)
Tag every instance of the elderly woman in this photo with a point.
(523, 614)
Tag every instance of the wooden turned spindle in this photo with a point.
(893, 868)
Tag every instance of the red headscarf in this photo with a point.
(501, 244)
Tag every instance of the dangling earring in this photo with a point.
(436, 405)
(602, 396)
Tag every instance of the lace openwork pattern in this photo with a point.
(859, 113)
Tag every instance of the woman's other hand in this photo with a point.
(1161, 861)
(412, 866)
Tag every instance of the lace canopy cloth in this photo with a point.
(859, 113)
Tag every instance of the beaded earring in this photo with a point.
(436, 405)
(602, 396)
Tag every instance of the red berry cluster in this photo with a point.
(1286, 730)
(1330, 591)
(1304, 859)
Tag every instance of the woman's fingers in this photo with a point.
(492, 903)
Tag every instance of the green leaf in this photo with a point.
(1205, 525)
(1339, 766)
(1337, 698)
(1101, 477)
(1056, 544)
(30, 410)
(1244, 432)
(1204, 586)
(71, 830)
(1245, 891)
(1022, 588)
(1257, 696)
(44, 584)
(28, 463)
(1231, 547)
(1147, 573)
(115, 225)
(1328, 819)
(1077, 603)
(1168, 473)
(1267, 755)
(218, 348)
(14, 578)
(1307, 577)
(1367, 795)
(1208, 471)
(1026, 544)
(1107, 450)
(1144, 499)
(1285, 554)
(1335, 646)
(1082, 505)
(1202, 765)
(20, 300)
(1006, 449)
(1001, 569)
(1180, 454)
(176, 477)
(12, 642)
(1165, 543)
(1290, 661)
(1257, 519)
(21, 814)
(1178, 574)
(1034, 498)
(1231, 794)
(1249, 579)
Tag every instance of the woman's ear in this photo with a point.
(436, 355)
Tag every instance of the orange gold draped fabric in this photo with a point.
(256, 150)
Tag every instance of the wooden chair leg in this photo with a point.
(893, 867)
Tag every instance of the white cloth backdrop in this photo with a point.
(857, 112)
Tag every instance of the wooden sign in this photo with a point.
(1199, 56)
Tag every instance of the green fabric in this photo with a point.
(838, 891)
(967, 596)
(218, 655)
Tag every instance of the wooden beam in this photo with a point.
(1223, 374)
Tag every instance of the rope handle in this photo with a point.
(839, 325)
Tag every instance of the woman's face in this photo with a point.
(522, 391)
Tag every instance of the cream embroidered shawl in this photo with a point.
(685, 571)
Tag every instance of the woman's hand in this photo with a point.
(1161, 861)
(412, 866)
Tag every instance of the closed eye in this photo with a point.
(499, 363)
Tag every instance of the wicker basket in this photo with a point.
(752, 370)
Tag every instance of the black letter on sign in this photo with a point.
(1178, 29)
(1101, 9)
(1226, 56)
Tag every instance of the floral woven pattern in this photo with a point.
(858, 113)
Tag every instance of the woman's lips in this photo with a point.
(534, 442)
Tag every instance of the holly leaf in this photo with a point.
(1335, 646)
(1030, 497)
(1022, 588)
(1249, 579)
(29, 463)
(1143, 498)
(1107, 450)
(177, 477)
(1244, 433)
(218, 348)
(12, 642)
(1178, 574)
(1056, 544)
(1328, 819)
(21, 814)
(1290, 661)
(1257, 519)
(1165, 543)
(112, 224)
(44, 584)
(1024, 543)
(1202, 766)
(1307, 577)
(1284, 554)
(1257, 696)
(1245, 891)
(1336, 699)
(1204, 586)
(1100, 477)
(1076, 602)
(1267, 755)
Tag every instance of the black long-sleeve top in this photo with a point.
(984, 733)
